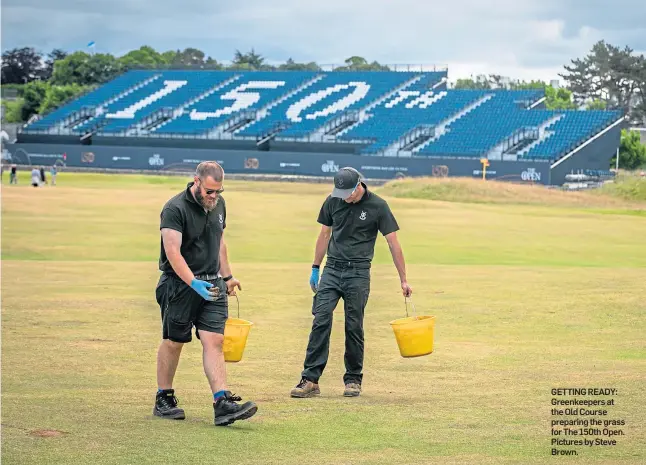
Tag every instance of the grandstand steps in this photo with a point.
(543, 134)
(331, 127)
(264, 111)
(155, 119)
(268, 135)
(77, 117)
(512, 152)
(405, 145)
(345, 125)
(226, 130)
(441, 128)
(180, 111)
(416, 137)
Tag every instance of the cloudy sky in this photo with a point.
(521, 39)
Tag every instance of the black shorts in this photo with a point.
(182, 308)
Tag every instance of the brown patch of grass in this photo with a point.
(477, 191)
(47, 433)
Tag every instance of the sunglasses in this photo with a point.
(211, 191)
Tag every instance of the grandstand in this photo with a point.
(388, 123)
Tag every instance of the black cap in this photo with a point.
(346, 181)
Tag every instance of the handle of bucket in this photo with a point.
(238, 301)
(406, 299)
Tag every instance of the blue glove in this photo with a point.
(314, 279)
(203, 288)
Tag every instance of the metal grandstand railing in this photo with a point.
(399, 67)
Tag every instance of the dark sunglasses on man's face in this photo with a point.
(211, 191)
(214, 191)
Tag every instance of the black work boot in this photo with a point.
(226, 409)
(166, 405)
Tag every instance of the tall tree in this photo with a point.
(21, 65)
(143, 57)
(192, 58)
(84, 69)
(639, 101)
(212, 63)
(291, 65)
(249, 60)
(169, 56)
(609, 74)
(560, 99)
(357, 63)
(54, 56)
(33, 95)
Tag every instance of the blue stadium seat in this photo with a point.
(475, 133)
(411, 108)
(571, 131)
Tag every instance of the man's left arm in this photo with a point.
(398, 258)
(225, 269)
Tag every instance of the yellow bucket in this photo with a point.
(236, 332)
(414, 334)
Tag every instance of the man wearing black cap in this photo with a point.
(351, 218)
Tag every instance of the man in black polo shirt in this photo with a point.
(192, 291)
(351, 217)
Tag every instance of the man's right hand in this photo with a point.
(314, 279)
(204, 289)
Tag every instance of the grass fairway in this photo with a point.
(527, 298)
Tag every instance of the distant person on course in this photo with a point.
(13, 178)
(193, 290)
(35, 177)
(351, 217)
(53, 171)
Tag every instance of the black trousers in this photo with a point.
(352, 283)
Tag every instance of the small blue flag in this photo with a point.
(91, 44)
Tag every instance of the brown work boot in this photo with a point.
(306, 388)
(352, 390)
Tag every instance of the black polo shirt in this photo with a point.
(355, 226)
(201, 232)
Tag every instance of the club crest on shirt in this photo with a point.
(221, 218)
(363, 215)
